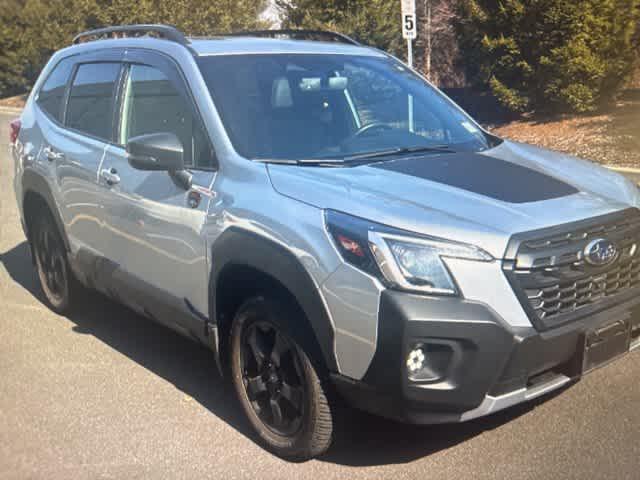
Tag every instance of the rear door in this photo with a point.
(153, 224)
(74, 146)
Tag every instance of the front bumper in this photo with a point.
(482, 364)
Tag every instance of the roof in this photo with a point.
(244, 45)
(236, 43)
(230, 45)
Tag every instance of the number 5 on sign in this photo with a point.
(408, 19)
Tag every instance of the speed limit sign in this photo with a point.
(409, 19)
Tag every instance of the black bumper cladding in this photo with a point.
(484, 364)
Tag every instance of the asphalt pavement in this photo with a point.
(105, 393)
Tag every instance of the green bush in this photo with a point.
(31, 30)
(550, 55)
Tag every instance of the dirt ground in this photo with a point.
(635, 81)
(611, 138)
(13, 102)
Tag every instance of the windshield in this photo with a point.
(305, 106)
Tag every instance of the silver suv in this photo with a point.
(329, 224)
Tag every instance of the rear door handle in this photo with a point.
(110, 176)
(52, 155)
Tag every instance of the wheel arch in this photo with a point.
(37, 193)
(246, 264)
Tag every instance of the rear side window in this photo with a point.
(51, 94)
(151, 104)
(91, 100)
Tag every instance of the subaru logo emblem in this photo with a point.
(600, 252)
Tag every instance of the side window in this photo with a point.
(90, 107)
(51, 94)
(151, 104)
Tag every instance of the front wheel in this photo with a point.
(276, 383)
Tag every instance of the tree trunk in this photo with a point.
(436, 48)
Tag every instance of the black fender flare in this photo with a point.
(238, 247)
(35, 183)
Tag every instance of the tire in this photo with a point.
(285, 382)
(56, 278)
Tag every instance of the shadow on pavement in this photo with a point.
(189, 366)
(367, 440)
(362, 439)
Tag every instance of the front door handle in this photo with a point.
(52, 155)
(110, 176)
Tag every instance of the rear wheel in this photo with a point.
(56, 279)
(277, 385)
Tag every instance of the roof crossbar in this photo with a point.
(166, 32)
(318, 35)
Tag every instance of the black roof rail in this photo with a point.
(166, 32)
(319, 35)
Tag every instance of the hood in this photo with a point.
(481, 199)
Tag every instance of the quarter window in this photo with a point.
(90, 107)
(151, 104)
(51, 94)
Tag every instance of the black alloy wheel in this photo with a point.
(56, 279)
(278, 387)
(273, 378)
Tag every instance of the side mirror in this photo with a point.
(156, 151)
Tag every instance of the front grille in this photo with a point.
(554, 282)
(565, 297)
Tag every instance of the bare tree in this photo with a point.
(436, 48)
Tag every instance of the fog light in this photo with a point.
(429, 361)
(416, 359)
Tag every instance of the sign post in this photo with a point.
(409, 32)
(409, 27)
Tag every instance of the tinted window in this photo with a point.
(152, 105)
(51, 94)
(91, 99)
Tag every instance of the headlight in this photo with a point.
(400, 259)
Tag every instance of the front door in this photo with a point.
(153, 223)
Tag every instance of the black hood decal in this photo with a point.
(484, 175)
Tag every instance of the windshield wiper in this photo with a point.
(338, 162)
(317, 162)
(399, 151)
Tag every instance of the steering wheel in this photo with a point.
(371, 127)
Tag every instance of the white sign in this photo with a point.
(409, 27)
